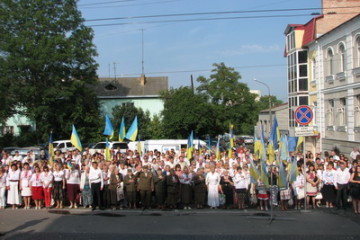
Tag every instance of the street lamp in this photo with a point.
(270, 110)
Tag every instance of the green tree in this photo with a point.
(129, 111)
(232, 100)
(46, 63)
(156, 128)
(263, 103)
(185, 111)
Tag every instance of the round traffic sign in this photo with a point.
(303, 115)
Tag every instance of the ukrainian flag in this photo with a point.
(284, 150)
(232, 144)
(254, 173)
(122, 133)
(109, 130)
(133, 130)
(299, 142)
(293, 171)
(218, 154)
(51, 150)
(282, 176)
(107, 151)
(275, 134)
(69, 165)
(75, 140)
(263, 175)
(190, 145)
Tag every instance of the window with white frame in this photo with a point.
(290, 41)
(342, 54)
(357, 110)
(330, 62)
(357, 49)
(8, 130)
(330, 113)
(341, 112)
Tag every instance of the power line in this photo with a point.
(209, 19)
(216, 13)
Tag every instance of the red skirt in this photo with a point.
(37, 193)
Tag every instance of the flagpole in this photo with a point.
(304, 169)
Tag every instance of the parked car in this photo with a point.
(245, 140)
(63, 145)
(100, 146)
(23, 151)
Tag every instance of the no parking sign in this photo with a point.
(304, 115)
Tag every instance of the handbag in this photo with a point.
(300, 193)
(222, 199)
(319, 196)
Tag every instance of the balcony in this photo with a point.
(340, 76)
(356, 71)
(341, 128)
(330, 128)
(329, 79)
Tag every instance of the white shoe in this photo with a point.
(185, 208)
(189, 208)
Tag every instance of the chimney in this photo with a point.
(142, 80)
(335, 13)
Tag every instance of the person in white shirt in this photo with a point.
(2, 188)
(96, 181)
(17, 157)
(73, 185)
(37, 188)
(12, 184)
(47, 179)
(76, 157)
(342, 178)
(105, 194)
(59, 185)
(25, 186)
(354, 153)
(241, 187)
(328, 189)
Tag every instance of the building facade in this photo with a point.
(323, 73)
(143, 92)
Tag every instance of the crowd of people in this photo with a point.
(169, 180)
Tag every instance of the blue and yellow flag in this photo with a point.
(218, 154)
(299, 142)
(69, 165)
(122, 133)
(292, 141)
(293, 171)
(190, 145)
(108, 130)
(263, 174)
(107, 151)
(51, 151)
(133, 130)
(284, 150)
(232, 140)
(75, 140)
(275, 134)
(282, 176)
(254, 173)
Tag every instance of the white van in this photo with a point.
(101, 146)
(63, 145)
(164, 145)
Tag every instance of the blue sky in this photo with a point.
(254, 47)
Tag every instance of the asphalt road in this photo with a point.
(206, 224)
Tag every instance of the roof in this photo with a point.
(130, 86)
(276, 108)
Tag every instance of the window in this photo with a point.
(303, 100)
(342, 57)
(330, 113)
(330, 58)
(290, 41)
(357, 111)
(110, 87)
(341, 112)
(8, 130)
(303, 71)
